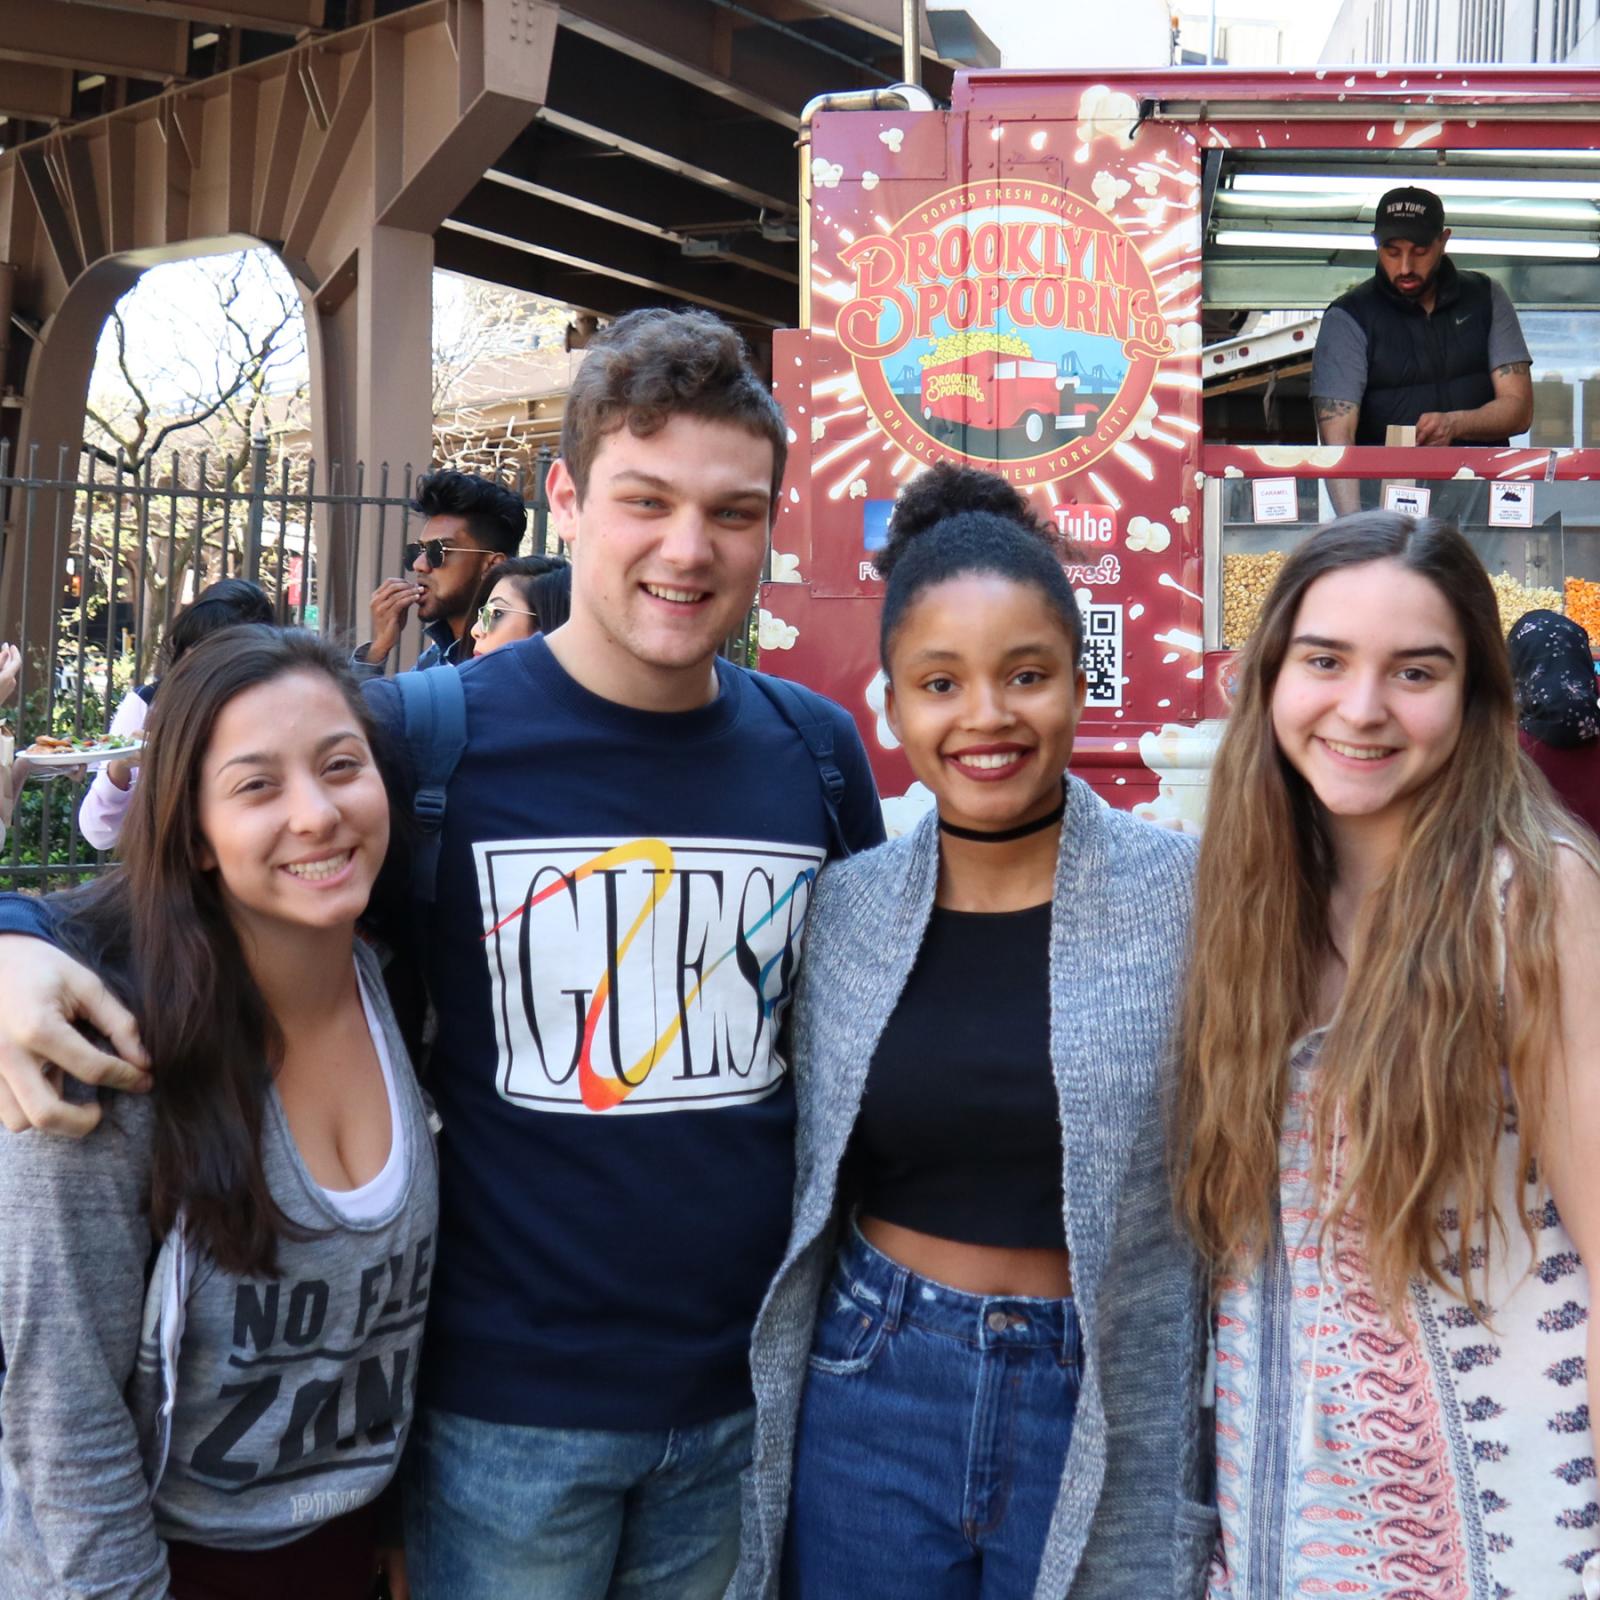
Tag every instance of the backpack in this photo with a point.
(434, 706)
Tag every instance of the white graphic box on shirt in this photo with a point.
(644, 975)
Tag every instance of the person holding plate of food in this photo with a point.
(13, 768)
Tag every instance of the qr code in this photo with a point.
(1102, 654)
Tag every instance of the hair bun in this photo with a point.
(946, 490)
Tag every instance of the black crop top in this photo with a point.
(959, 1134)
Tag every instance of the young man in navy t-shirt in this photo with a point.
(625, 865)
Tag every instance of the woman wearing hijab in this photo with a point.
(1557, 715)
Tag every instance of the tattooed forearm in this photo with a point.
(1511, 368)
(1333, 408)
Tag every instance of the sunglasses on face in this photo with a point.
(436, 550)
(489, 615)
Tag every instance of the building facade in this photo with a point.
(1451, 32)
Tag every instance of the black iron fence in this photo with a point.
(95, 564)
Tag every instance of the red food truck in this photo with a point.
(1107, 289)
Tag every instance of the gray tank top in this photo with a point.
(293, 1395)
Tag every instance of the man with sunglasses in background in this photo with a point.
(471, 525)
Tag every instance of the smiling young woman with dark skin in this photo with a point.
(985, 692)
(978, 1033)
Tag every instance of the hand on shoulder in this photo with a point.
(43, 994)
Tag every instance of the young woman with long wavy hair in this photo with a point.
(1391, 1097)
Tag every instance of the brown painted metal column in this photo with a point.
(55, 396)
(371, 405)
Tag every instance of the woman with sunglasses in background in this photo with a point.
(520, 598)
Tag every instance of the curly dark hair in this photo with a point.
(950, 521)
(494, 515)
(653, 365)
(945, 489)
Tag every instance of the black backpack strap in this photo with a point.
(807, 715)
(435, 709)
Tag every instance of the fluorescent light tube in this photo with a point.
(1554, 249)
(1486, 207)
(1489, 184)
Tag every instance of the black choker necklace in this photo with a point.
(983, 836)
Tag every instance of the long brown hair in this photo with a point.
(1410, 1070)
(158, 928)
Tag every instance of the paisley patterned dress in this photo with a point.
(1449, 1460)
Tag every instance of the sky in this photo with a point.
(1071, 33)
(178, 342)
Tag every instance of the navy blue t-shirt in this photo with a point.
(621, 896)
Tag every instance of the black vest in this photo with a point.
(1417, 362)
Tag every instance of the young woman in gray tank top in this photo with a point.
(978, 1372)
(211, 1307)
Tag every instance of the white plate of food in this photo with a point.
(52, 752)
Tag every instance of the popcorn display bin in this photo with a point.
(1533, 517)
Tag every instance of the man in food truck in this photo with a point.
(1420, 344)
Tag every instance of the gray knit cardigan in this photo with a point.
(1130, 1522)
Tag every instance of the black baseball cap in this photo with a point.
(1414, 214)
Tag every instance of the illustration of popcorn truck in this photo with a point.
(993, 382)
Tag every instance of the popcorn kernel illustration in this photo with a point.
(875, 697)
(869, 180)
(901, 813)
(1107, 113)
(1143, 534)
(1290, 455)
(858, 488)
(1108, 189)
(785, 567)
(819, 430)
(773, 633)
(1145, 419)
(825, 174)
(894, 138)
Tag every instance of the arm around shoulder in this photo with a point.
(43, 994)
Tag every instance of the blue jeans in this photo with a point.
(500, 1512)
(932, 1438)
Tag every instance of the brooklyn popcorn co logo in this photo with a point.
(1004, 322)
